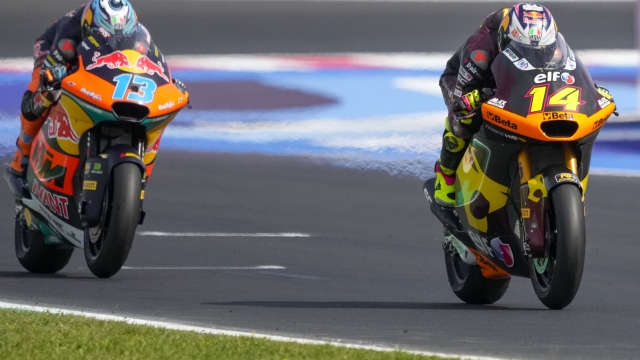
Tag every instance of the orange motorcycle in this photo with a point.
(91, 160)
(521, 184)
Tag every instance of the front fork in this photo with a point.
(534, 199)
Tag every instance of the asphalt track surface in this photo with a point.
(373, 268)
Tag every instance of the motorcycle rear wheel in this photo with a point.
(469, 285)
(35, 255)
(107, 246)
(558, 284)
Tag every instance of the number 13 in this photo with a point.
(145, 94)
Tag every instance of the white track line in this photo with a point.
(217, 331)
(261, 267)
(186, 234)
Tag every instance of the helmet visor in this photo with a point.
(542, 57)
(138, 40)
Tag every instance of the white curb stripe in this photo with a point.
(216, 331)
(262, 267)
(186, 234)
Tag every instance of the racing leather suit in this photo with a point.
(56, 47)
(468, 70)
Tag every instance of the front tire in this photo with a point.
(35, 255)
(557, 277)
(469, 285)
(107, 246)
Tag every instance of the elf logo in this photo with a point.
(552, 76)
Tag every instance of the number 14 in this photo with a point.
(569, 97)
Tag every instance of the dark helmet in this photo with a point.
(528, 24)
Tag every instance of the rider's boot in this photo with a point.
(445, 189)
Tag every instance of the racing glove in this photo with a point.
(52, 76)
(465, 114)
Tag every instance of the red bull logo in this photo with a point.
(154, 147)
(60, 127)
(121, 60)
(535, 15)
(150, 68)
(535, 18)
(115, 60)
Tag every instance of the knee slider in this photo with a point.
(452, 143)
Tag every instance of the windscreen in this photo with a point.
(138, 40)
(550, 57)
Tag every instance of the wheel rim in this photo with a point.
(25, 242)
(96, 234)
(461, 270)
(545, 267)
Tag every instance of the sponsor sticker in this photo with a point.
(510, 55)
(167, 106)
(558, 116)
(496, 118)
(89, 185)
(567, 79)
(526, 213)
(130, 154)
(465, 74)
(604, 102)
(571, 65)
(497, 103)
(566, 177)
(523, 64)
(91, 94)
(532, 7)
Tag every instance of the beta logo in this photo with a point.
(552, 76)
(497, 103)
(496, 118)
(503, 251)
(558, 116)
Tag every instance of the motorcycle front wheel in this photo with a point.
(107, 245)
(556, 277)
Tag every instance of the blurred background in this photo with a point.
(352, 82)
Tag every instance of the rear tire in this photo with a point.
(469, 285)
(107, 246)
(35, 255)
(558, 284)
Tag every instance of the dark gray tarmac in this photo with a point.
(373, 271)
